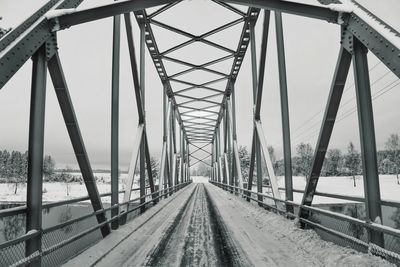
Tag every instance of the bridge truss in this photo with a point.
(199, 111)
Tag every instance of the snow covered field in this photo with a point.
(389, 188)
(56, 191)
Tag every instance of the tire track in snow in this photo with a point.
(197, 237)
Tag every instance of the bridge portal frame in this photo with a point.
(357, 38)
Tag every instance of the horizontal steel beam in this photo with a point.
(104, 11)
(305, 10)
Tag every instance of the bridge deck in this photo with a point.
(198, 226)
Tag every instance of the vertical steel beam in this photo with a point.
(35, 152)
(149, 170)
(188, 162)
(115, 118)
(68, 112)
(171, 149)
(232, 105)
(229, 144)
(255, 89)
(182, 148)
(367, 139)
(142, 143)
(252, 163)
(332, 106)
(287, 154)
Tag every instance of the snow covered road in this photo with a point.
(202, 225)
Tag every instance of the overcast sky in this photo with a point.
(311, 51)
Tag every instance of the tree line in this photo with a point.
(14, 169)
(336, 162)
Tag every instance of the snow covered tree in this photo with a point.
(305, 156)
(333, 162)
(352, 162)
(3, 31)
(15, 173)
(244, 158)
(154, 168)
(393, 147)
(48, 166)
(203, 169)
(4, 160)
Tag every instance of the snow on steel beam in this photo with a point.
(377, 36)
(67, 18)
(305, 10)
(17, 46)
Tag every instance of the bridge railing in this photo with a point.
(60, 241)
(332, 226)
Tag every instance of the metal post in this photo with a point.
(255, 89)
(35, 153)
(229, 143)
(188, 162)
(171, 150)
(234, 136)
(252, 163)
(367, 139)
(182, 160)
(115, 118)
(287, 154)
(142, 143)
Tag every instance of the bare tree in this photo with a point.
(305, 155)
(393, 147)
(333, 162)
(352, 162)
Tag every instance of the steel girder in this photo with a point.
(383, 48)
(294, 8)
(35, 153)
(21, 43)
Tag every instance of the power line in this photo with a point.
(311, 127)
(351, 111)
(321, 110)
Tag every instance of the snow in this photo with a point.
(341, 8)
(57, 191)
(266, 236)
(343, 185)
(372, 22)
(59, 12)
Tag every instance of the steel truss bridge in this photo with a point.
(196, 115)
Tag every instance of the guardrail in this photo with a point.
(14, 249)
(339, 228)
